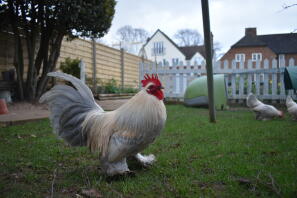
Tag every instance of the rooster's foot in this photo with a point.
(145, 160)
(115, 168)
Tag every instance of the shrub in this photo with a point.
(71, 66)
(111, 86)
(129, 90)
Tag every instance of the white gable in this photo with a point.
(197, 59)
(169, 50)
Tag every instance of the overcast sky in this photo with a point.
(228, 18)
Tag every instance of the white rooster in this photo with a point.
(292, 107)
(118, 134)
(263, 111)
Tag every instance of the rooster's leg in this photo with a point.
(145, 160)
(114, 162)
(114, 168)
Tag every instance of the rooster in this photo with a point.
(115, 135)
(263, 111)
(292, 107)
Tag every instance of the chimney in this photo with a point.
(250, 31)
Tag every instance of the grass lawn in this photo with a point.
(236, 157)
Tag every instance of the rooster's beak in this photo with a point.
(161, 87)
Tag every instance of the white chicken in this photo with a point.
(262, 111)
(292, 107)
(118, 134)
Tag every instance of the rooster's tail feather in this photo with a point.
(69, 108)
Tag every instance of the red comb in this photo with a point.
(154, 79)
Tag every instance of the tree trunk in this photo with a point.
(29, 31)
(19, 65)
(41, 61)
(51, 64)
(31, 74)
(18, 56)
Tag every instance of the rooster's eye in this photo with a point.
(151, 86)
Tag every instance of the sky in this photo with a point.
(228, 18)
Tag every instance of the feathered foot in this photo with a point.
(145, 160)
(115, 168)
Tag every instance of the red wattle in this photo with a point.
(159, 94)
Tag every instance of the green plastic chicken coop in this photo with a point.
(290, 77)
(197, 95)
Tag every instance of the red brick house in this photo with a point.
(261, 47)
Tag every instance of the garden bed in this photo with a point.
(115, 96)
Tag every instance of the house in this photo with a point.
(281, 47)
(161, 49)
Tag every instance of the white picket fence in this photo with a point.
(264, 78)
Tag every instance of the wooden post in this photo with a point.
(208, 49)
(94, 66)
(122, 68)
(141, 66)
(82, 71)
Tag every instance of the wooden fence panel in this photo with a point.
(108, 60)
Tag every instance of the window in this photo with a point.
(281, 57)
(256, 56)
(175, 61)
(281, 60)
(239, 57)
(158, 49)
(198, 61)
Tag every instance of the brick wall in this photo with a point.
(289, 56)
(267, 53)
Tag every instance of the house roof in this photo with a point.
(278, 43)
(188, 51)
(158, 30)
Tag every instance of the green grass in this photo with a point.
(236, 157)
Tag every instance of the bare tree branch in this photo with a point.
(188, 37)
(288, 6)
(130, 37)
(129, 34)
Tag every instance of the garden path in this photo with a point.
(24, 112)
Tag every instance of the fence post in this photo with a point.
(274, 87)
(122, 68)
(249, 77)
(241, 81)
(141, 65)
(233, 80)
(281, 81)
(266, 79)
(258, 67)
(82, 71)
(94, 65)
